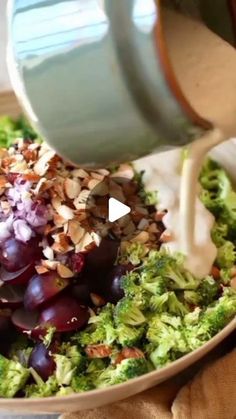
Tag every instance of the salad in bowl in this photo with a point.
(81, 311)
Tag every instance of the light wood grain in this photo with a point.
(9, 104)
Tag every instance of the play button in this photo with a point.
(117, 210)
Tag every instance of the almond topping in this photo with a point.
(48, 253)
(75, 231)
(98, 351)
(41, 269)
(72, 188)
(64, 272)
(65, 212)
(142, 237)
(42, 165)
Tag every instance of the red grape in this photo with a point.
(81, 291)
(15, 255)
(20, 277)
(112, 290)
(42, 362)
(5, 319)
(25, 321)
(66, 314)
(11, 297)
(103, 257)
(42, 288)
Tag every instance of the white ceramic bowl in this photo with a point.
(226, 155)
(97, 398)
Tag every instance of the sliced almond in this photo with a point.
(72, 188)
(64, 271)
(93, 183)
(81, 200)
(103, 172)
(81, 173)
(153, 228)
(50, 264)
(97, 176)
(41, 269)
(42, 165)
(143, 224)
(65, 212)
(129, 229)
(58, 220)
(85, 242)
(56, 202)
(142, 237)
(48, 253)
(124, 171)
(75, 231)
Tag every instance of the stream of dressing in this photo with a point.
(187, 221)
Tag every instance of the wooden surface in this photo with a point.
(9, 104)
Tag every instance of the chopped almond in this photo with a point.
(42, 165)
(97, 300)
(41, 269)
(64, 271)
(98, 351)
(65, 212)
(166, 237)
(75, 231)
(142, 237)
(72, 188)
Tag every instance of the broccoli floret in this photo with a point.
(65, 391)
(168, 302)
(192, 317)
(208, 290)
(130, 368)
(211, 321)
(219, 233)
(129, 336)
(170, 269)
(226, 255)
(167, 339)
(150, 198)
(47, 340)
(95, 367)
(73, 354)
(130, 283)
(50, 388)
(99, 330)
(13, 377)
(20, 351)
(205, 294)
(126, 370)
(10, 130)
(127, 312)
(157, 287)
(218, 195)
(134, 253)
(65, 370)
(225, 276)
(81, 383)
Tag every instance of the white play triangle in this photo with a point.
(117, 210)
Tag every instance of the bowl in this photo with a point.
(96, 398)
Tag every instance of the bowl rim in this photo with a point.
(162, 372)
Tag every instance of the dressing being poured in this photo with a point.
(205, 67)
(187, 221)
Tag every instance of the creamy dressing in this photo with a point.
(205, 67)
(187, 221)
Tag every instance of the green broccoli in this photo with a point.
(170, 268)
(64, 391)
(129, 336)
(219, 233)
(225, 276)
(50, 388)
(134, 253)
(74, 355)
(208, 290)
(11, 129)
(218, 195)
(168, 302)
(226, 255)
(211, 321)
(156, 287)
(65, 370)
(13, 377)
(95, 367)
(99, 330)
(126, 370)
(81, 383)
(127, 312)
(130, 283)
(130, 368)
